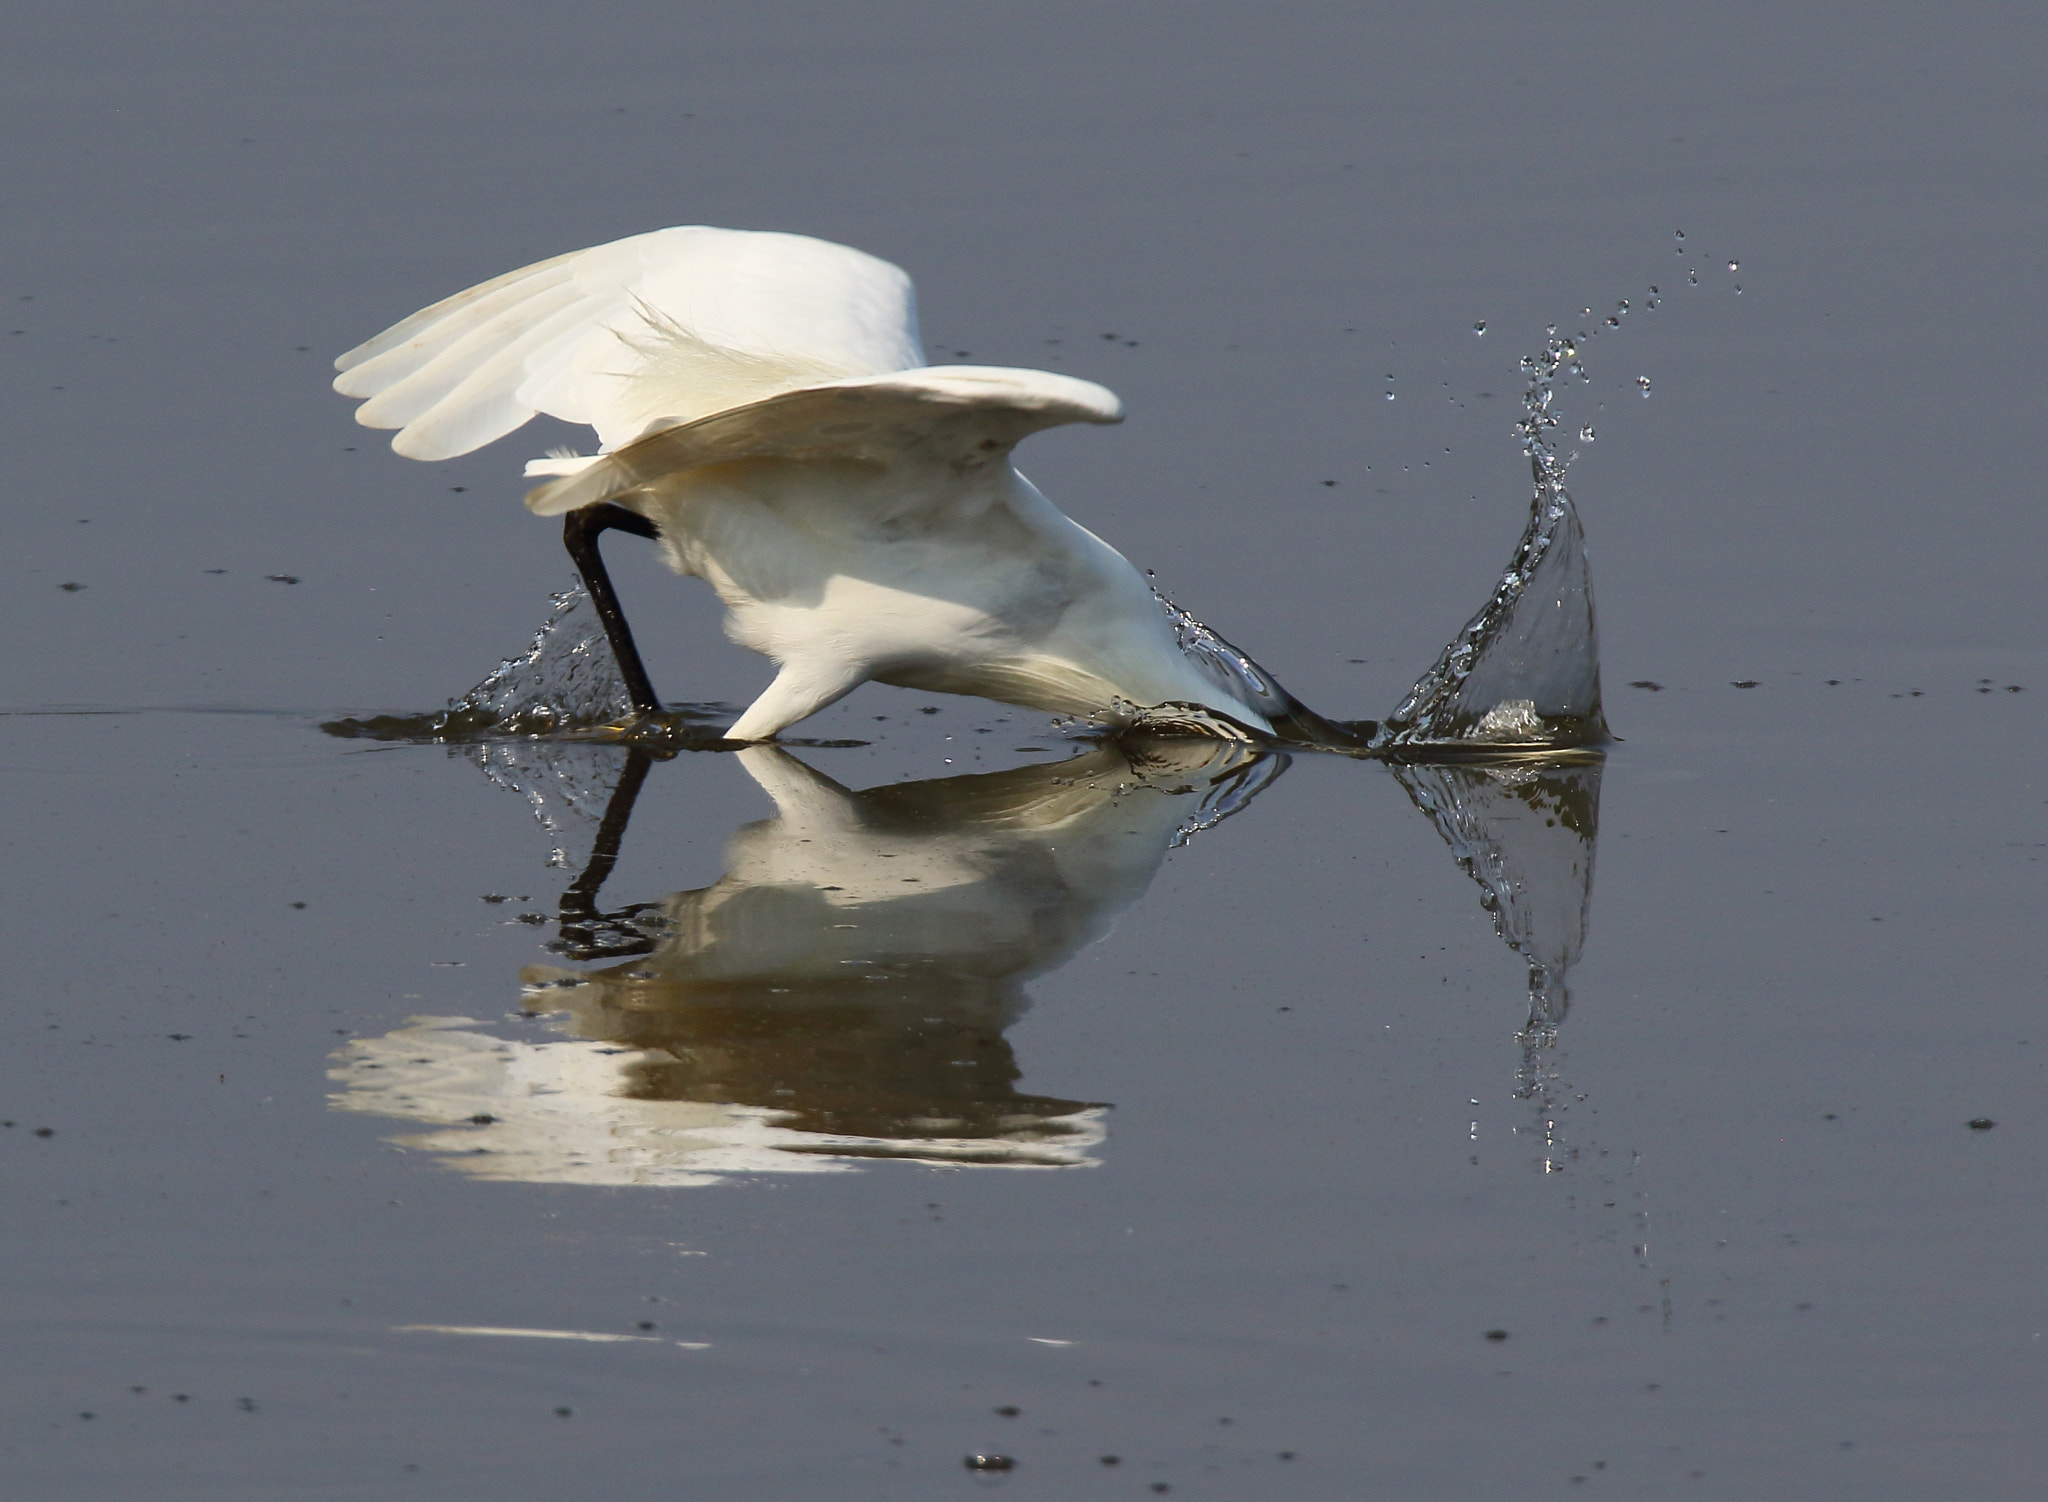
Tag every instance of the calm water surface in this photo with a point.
(1156, 1104)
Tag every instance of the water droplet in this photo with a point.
(1390, 396)
(1644, 383)
(1680, 234)
(1738, 289)
(1735, 265)
(1479, 328)
(1614, 323)
(1693, 277)
(1586, 434)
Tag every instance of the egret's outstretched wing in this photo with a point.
(955, 414)
(678, 323)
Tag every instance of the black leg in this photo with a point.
(580, 531)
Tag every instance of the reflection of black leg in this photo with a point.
(580, 531)
(586, 933)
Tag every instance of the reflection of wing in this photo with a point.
(960, 415)
(676, 324)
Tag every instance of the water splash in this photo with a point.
(565, 680)
(567, 677)
(1524, 673)
(565, 686)
(547, 725)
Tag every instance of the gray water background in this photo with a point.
(1780, 1263)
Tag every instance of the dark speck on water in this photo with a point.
(1981, 1123)
(1496, 1335)
(282, 578)
(1653, 687)
(1744, 683)
(72, 588)
(990, 1463)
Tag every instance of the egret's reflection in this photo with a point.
(840, 993)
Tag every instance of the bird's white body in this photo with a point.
(761, 399)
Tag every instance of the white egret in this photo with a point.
(763, 411)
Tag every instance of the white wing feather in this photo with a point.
(962, 415)
(671, 325)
